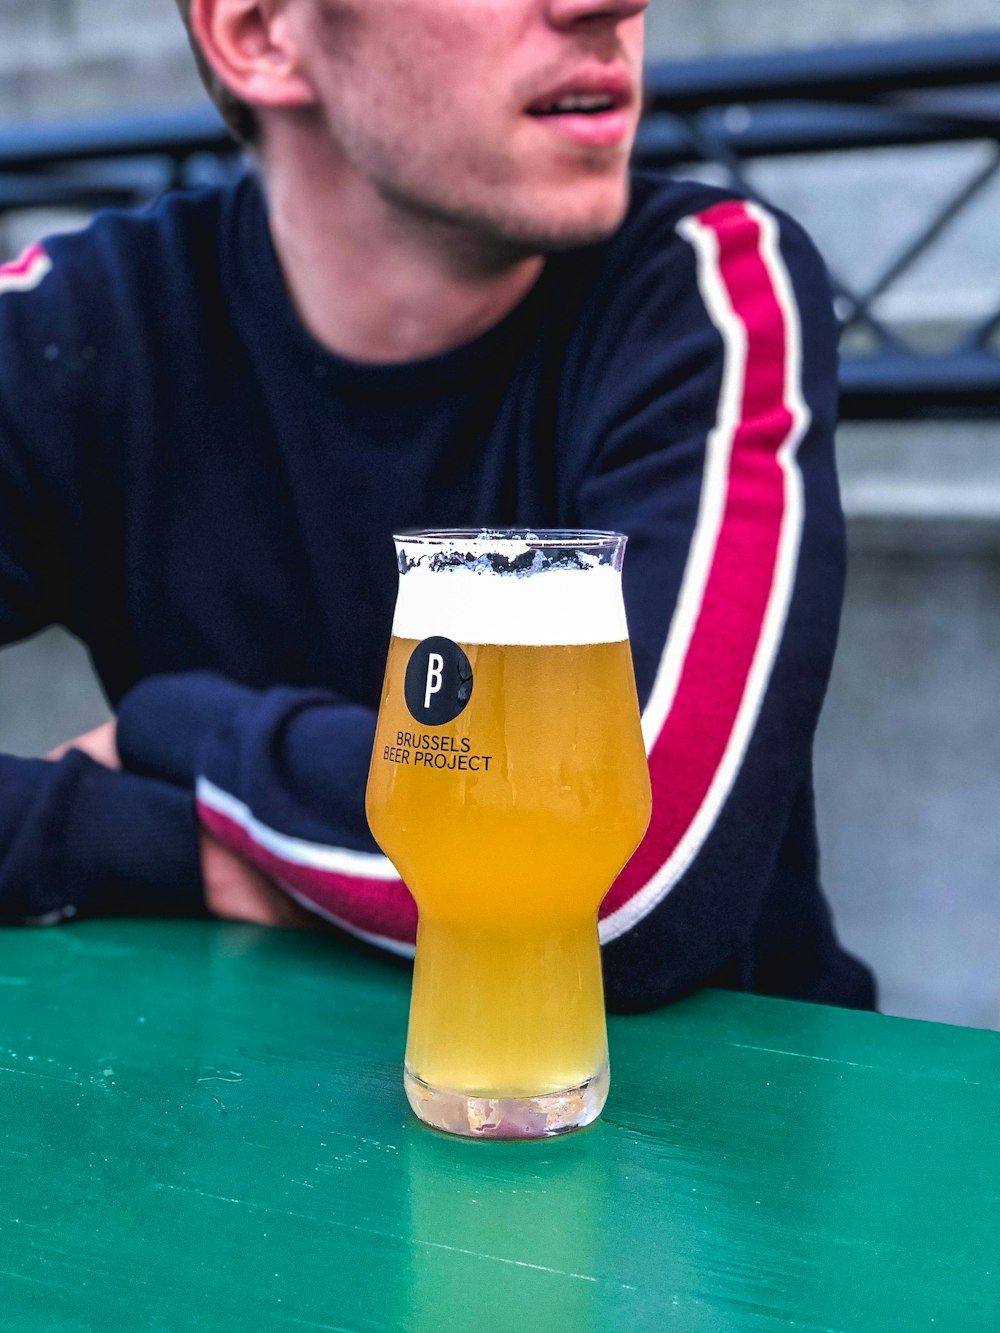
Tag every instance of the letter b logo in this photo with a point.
(435, 678)
(438, 682)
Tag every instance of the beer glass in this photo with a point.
(508, 787)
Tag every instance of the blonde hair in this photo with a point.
(241, 119)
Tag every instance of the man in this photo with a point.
(441, 303)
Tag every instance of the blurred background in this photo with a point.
(903, 197)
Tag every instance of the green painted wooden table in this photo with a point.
(203, 1128)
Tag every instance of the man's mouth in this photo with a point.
(592, 109)
(583, 104)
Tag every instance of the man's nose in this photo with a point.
(564, 13)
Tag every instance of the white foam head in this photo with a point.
(538, 602)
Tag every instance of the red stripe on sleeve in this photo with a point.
(383, 909)
(26, 271)
(691, 747)
(16, 268)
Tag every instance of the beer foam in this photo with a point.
(476, 606)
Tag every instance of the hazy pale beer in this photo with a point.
(508, 786)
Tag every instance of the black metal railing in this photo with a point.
(736, 111)
(730, 112)
(94, 163)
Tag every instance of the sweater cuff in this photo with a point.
(164, 721)
(132, 844)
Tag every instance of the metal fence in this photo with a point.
(734, 111)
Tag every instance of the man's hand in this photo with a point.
(101, 744)
(237, 891)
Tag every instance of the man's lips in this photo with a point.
(613, 83)
(592, 107)
(603, 129)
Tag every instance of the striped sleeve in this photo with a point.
(356, 890)
(727, 488)
(279, 778)
(25, 273)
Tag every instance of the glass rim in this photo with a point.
(534, 538)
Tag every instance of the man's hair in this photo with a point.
(241, 119)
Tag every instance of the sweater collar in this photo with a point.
(267, 318)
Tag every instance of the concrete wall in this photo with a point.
(85, 57)
(678, 29)
(908, 761)
(59, 57)
(908, 754)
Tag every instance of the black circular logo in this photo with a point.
(438, 682)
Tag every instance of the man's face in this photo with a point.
(512, 118)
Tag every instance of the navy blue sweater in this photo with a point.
(205, 496)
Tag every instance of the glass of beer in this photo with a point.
(508, 787)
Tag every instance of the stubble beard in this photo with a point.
(494, 236)
(476, 222)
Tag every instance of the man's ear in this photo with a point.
(249, 46)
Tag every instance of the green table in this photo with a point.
(203, 1128)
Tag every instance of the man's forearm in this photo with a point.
(75, 836)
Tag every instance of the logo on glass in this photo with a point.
(438, 682)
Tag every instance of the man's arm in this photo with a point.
(235, 890)
(725, 481)
(280, 780)
(74, 836)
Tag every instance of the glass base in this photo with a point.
(508, 1117)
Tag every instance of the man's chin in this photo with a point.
(565, 224)
(528, 222)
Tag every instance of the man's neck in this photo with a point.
(371, 282)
